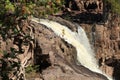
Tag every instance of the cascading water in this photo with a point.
(79, 40)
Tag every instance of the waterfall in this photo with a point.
(85, 55)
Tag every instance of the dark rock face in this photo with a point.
(85, 5)
(88, 11)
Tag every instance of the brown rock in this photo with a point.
(106, 40)
(61, 55)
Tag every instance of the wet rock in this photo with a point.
(60, 56)
(106, 41)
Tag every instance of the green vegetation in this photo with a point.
(32, 68)
(31, 71)
(12, 13)
(47, 7)
(8, 64)
(115, 5)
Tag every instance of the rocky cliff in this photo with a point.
(85, 5)
(87, 11)
(59, 56)
(106, 42)
(55, 57)
(103, 30)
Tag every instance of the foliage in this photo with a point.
(12, 13)
(31, 71)
(115, 5)
(47, 7)
(8, 64)
(11, 16)
(32, 68)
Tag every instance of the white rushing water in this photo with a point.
(85, 54)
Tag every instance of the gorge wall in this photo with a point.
(87, 11)
(55, 56)
(60, 55)
(106, 41)
(103, 30)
